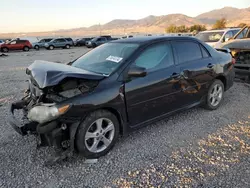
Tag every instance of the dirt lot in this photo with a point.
(197, 148)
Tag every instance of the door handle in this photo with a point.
(175, 75)
(210, 65)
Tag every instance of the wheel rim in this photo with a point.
(5, 50)
(26, 49)
(215, 95)
(51, 47)
(67, 46)
(36, 47)
(99, 135)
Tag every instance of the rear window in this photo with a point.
(187, 51)
(210, 36)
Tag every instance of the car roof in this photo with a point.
(220, 30)
(150, 39)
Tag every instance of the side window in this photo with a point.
(42, 41)
(228, 35)
(242, 34)
(20, 41)
(155, 57)
(187, 51)
(13, 42)
(61, 40)
(204, 52)
(99, 39)
(235, 32)
(56, 41)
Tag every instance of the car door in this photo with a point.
(20, 44)
(41, 43)
(196, 67)
(13, 45)
(155, 94)
(61, 42)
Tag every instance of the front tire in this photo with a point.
(67, 46)
(36, 47)
(51, 47)
(215, 95)
(97, 134)
(4, 49)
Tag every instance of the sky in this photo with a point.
(47, 15)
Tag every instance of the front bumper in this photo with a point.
(20, 127)
(242, 70)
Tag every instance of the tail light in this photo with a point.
(233, 61)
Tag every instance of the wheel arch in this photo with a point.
(118, 116)
(223, 79)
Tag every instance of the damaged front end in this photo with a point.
(44, 110)
(242, 65)
(240, 49)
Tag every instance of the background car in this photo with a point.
(59, 43)
(97, 41)
(16, 44)
(71, 41)
(1, 42)
(240, 49)
(82, 41)
(216, 38)
(41, 43)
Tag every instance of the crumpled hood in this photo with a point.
(47, 73)
(243, 44)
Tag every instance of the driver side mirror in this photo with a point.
(137, 72)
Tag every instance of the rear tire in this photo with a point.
(215, 95)
(67, 46)
(26, 48)
(4, 49)
(97, 134)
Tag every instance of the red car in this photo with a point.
(24, 45)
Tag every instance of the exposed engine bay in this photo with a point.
(44, 111)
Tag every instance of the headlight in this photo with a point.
(42, 114)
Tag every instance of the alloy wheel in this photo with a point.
(215, 95)
(99, 135)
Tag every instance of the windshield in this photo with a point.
(106, 58)
(210, 36)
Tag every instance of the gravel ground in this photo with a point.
(197, 148)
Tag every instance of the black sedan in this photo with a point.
(82, 41)
(118, 87)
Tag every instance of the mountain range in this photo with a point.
(152, 24)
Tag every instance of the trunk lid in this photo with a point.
(46, 73)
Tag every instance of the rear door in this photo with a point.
(61, 43)
(196, 67)
(155, 94)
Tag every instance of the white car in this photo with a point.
(216, 38)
